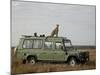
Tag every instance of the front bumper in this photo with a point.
(84, 57)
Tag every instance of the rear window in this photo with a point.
(28, 44)
(37, 44)
(32, 44)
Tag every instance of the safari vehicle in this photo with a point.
(32, 49)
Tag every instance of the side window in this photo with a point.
(37, 44)
(59, 45)
(48, 45)
(28, 44)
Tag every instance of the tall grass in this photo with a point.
(18, 68)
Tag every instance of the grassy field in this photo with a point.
(18, 68)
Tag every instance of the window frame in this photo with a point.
(49, 48)
(56, 45)
(23, 44)
(32, 44)
(61, 44)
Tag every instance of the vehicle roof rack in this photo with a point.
(26, 36)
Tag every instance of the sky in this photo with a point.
(77, 22)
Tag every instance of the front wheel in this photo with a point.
(72, 62)
(32, 60)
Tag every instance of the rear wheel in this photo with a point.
(32, 60)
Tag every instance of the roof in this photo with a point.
(59, 39)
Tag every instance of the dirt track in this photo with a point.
(17, 67)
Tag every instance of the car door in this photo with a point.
(25, 48)
(47, 52)
(59, 53)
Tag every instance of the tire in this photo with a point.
(32, 60)
(72, 62)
